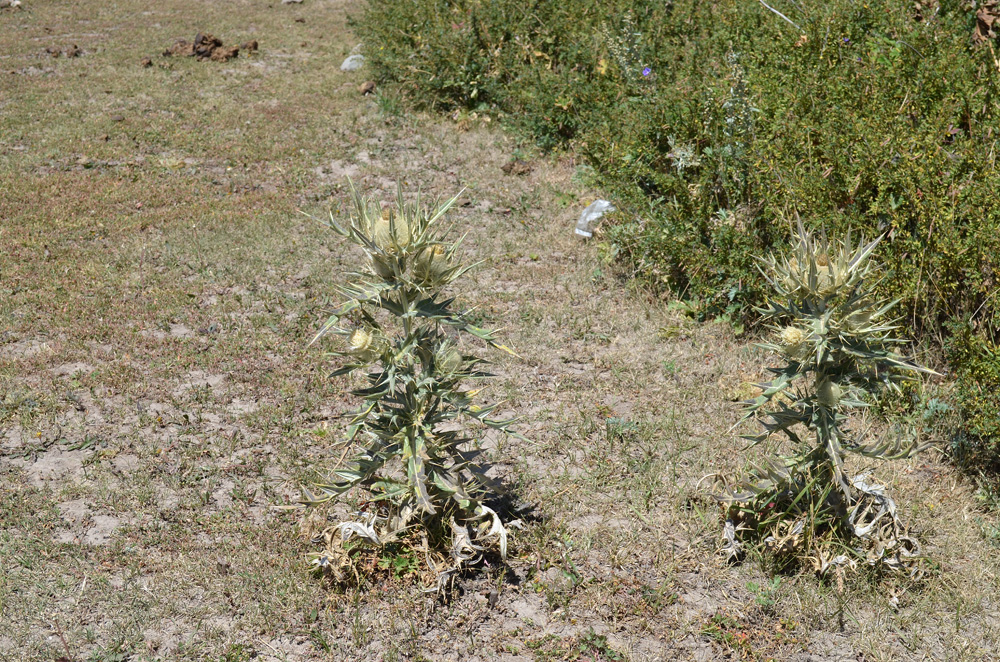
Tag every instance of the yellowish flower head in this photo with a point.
(795, 343)
(430, 264)
(360, 341)
(383, 235)
(793, 336)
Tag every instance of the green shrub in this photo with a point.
(416, 466)
(715, 124)
(976, 446)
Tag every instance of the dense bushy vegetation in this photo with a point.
(716, 124)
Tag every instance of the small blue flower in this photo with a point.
(647, 71)
(847, 40)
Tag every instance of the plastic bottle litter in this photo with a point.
(353, 63)
(591, 216)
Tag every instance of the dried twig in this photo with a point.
(790, 21)
(62, 638)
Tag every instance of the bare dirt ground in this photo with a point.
(159, 405)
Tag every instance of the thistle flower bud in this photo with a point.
(430, 264)
(391, 231)
(382, 267)
(828, 393)
(794, 277)
(831, 279)
(448, 361)
(824, 284)
(365, 344)
(795, 342)
(859, 320)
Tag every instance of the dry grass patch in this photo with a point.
(158, 400)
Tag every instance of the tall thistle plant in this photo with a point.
(415, 469)
(839, 353)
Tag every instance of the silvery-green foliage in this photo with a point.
(625, 47)
(415, 432)
(738, 127)
(683, 155)
(840, 351)
(738, 106)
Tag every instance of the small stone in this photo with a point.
(367, 87)
(353, 63)
(146, 62)
(117, 118)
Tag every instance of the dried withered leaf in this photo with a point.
(986, 16)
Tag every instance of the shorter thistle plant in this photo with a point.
(416, 461)
(839, 354)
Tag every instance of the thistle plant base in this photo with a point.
(802, 525)
(414, 558)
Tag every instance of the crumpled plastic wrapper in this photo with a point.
(591, 216)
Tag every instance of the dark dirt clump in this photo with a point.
(223, 54)
(207, 46)
(72, 51)
(516, 167)
(181, 48)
